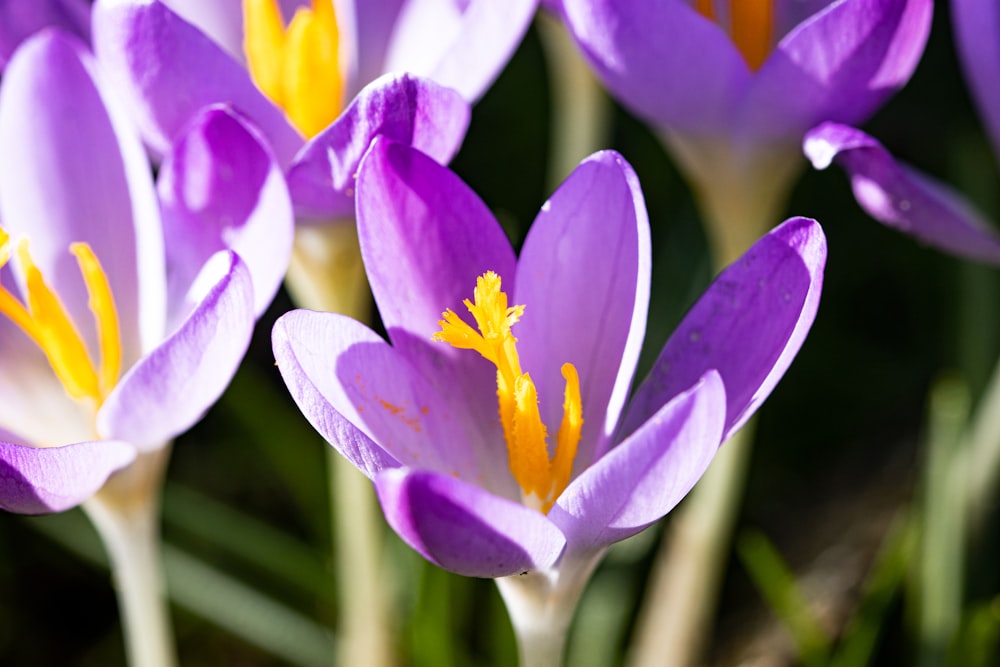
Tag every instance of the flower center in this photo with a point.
(541, 479)
(751, 23)
(297, 67)
(44, 319)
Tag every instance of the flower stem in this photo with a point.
(541, 607)
(126, 514)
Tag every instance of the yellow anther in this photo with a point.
(751, 26)
(299, 69)
(44, 319)
(541, 479)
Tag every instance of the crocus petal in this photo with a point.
(663, 60)
(222, 21)
(375, 389)
(900, 197)
(464, 529)
(53, 479)
(171, 388)
(372, 22)
(404, 108)
(977, 38)
(20, 20)
(221, 188)
(168, 70)
(840, 65)
(82, 181)
(748, 326)
(591, 238)
(425, 238)
(462, 45)
(644, 477)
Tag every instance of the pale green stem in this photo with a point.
(326, 273)
(541, 607)
(741, 198)
(983, 454)
(126, 514)
(581, 110)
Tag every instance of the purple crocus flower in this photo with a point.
(547, 339)
(734, 86)
(169, 68)
(125, 306)
(19, 19)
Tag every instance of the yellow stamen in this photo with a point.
(299, 68)
(541, 479)
(44, 319)
(751, 26)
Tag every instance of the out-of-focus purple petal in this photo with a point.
(222, 20)
(404, 108)
(425, 238)
(583, 277)
(840, 65)
(306, 368)
(977, 38)
(168, 70)
(644, 477)
(464, 529)
(373, 22)
(53, 479)
(73, 171)
(748, 326)
(171, 388)
(374, 388)
(663, 60)
(902, 198)
(221, 188)
(19, 19)
(461, 44)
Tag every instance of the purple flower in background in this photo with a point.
(19, 19)
(549, 342)
(296, 81)
(125, 306)
(734, 86)
(977, 38)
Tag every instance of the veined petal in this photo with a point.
(662, 60)
(168, 70)
(464, 529)
(404, 108)
(644, 477)
(839, 65)
(376, 390)
(902, 198)
(220, 188)
(310, 378)
(583, 277)
(82, 181)
(977, 38)
(20, 20)
(748, 326)
(53, 479)
(170, 389)
(461, 45)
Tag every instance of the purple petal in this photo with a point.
(82, 181)
(221, 21)
(366, 382)
(20, 19)
(168, 70)
(662, 60)
(170, 389)
(902, 198)
(299, 342)
(643, 478)
(465, 529)
(221, 188)
(748, 326)
(583, 277)
(461, 44)
(373, 22)
(404, 108)
(840, 65)
(54, 479)
(977, 38)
